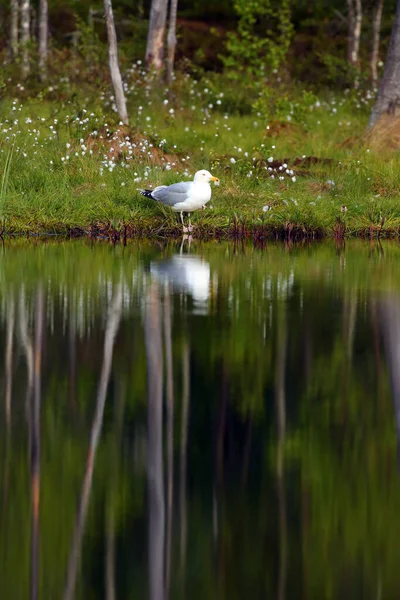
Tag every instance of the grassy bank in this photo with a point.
(301, 170)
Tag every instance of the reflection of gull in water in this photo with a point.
(189, 274)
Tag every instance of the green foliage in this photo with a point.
(89, 45)
(260, 44)
(275, 103)
(338, 72)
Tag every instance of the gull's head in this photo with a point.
(205, 176)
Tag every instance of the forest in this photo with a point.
(291, 105)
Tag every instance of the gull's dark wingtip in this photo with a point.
(147, 193)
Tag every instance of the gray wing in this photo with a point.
(172, 194)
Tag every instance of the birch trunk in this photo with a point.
(113, 62)
(171, 40)
(156, 34)
(388, 98)
(354, 8)
(14, 28)
(376, 36)
(25, 36)
(43, 37)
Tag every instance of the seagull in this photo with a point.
(186, 196)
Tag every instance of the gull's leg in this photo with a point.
(185, 229)
(190, 228)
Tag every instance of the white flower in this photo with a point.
(293, 179)
(266, 208)
(232, 160)
(271, 159)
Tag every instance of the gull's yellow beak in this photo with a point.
(215, 179)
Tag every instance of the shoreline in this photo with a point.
(237, 229)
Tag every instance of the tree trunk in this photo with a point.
(376, 35)
(25, 36)
(113, 62)
(14, 29)
(388, 98)
(43, 37)
(156, 34)
(354, 8)
(171, 40)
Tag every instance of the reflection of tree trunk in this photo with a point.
(280, 400)
(113, 320)
(34, 419)
(154, 445)
(350, 316)
(110, 554)
(27, 345)
(9, 356)
(183, 457)
(247, 450)
(221, 427)
(72, 356)
(8, 394)
(170, 434)
(377, 344)
(219, 496)
(389, 309)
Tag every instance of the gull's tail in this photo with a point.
(147, 193)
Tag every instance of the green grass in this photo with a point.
(57, 181)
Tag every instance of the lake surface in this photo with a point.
(212, 421)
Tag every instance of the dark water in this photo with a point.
(219, 424)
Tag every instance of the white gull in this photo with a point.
(186, 196)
